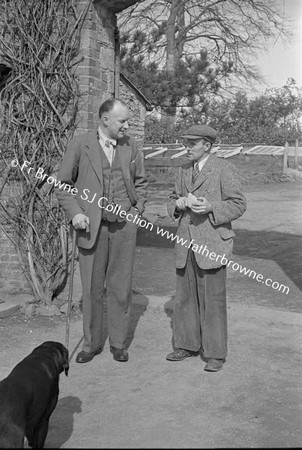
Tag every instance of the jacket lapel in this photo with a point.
(93, 149)
(204, 173)
(124, 155)
(188, 178)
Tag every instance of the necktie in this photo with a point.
(110, 142)
(195, 172)
(110, 152)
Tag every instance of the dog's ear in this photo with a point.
(61, 358)
(65, 361)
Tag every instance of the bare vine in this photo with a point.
(40, 44)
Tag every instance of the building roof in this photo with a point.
(148, 105)
(117, 6)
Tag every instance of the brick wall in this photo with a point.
(96, 71)
(96, 75)
(12, 278)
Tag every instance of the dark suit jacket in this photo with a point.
(81, 168)
(219, 184)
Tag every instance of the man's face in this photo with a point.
(116, 121)
(197, 149)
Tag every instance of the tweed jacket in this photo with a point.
(81, 168)
(218, 183)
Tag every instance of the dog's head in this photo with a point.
(59, 353)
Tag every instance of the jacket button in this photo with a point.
(191, 222)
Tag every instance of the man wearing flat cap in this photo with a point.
(207, 197)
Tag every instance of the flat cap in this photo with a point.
(201, 131)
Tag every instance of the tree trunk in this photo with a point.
(169, 109)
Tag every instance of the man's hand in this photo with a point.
(80, 221)
(201, 206)
(181, 203)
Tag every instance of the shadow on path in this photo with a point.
(283, 248)
(137, 311)
(61, 421)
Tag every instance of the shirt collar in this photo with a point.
(103, 138)
(202, 162)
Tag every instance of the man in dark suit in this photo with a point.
(103, 191)
(207, 197)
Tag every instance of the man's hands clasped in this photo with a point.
(201, 206)
(181, 203)
(198, 205)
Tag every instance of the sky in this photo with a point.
(284, 60)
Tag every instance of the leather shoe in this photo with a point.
(84, 357)
(180, 353)
(119, 354)
(213, 365)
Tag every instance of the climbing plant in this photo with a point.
(40, 100)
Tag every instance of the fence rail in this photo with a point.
(173, 154)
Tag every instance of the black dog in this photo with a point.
(29, 394)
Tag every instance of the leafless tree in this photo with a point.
(227, 32)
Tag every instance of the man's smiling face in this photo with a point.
(116, 121)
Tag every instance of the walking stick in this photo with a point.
(70, 289)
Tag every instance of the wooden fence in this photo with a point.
(174, 154)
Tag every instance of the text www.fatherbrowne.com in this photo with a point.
(86, 195)
(224, 261)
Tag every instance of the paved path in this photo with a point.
(268, 242)
(255, 401)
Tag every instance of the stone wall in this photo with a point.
(137, 112)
